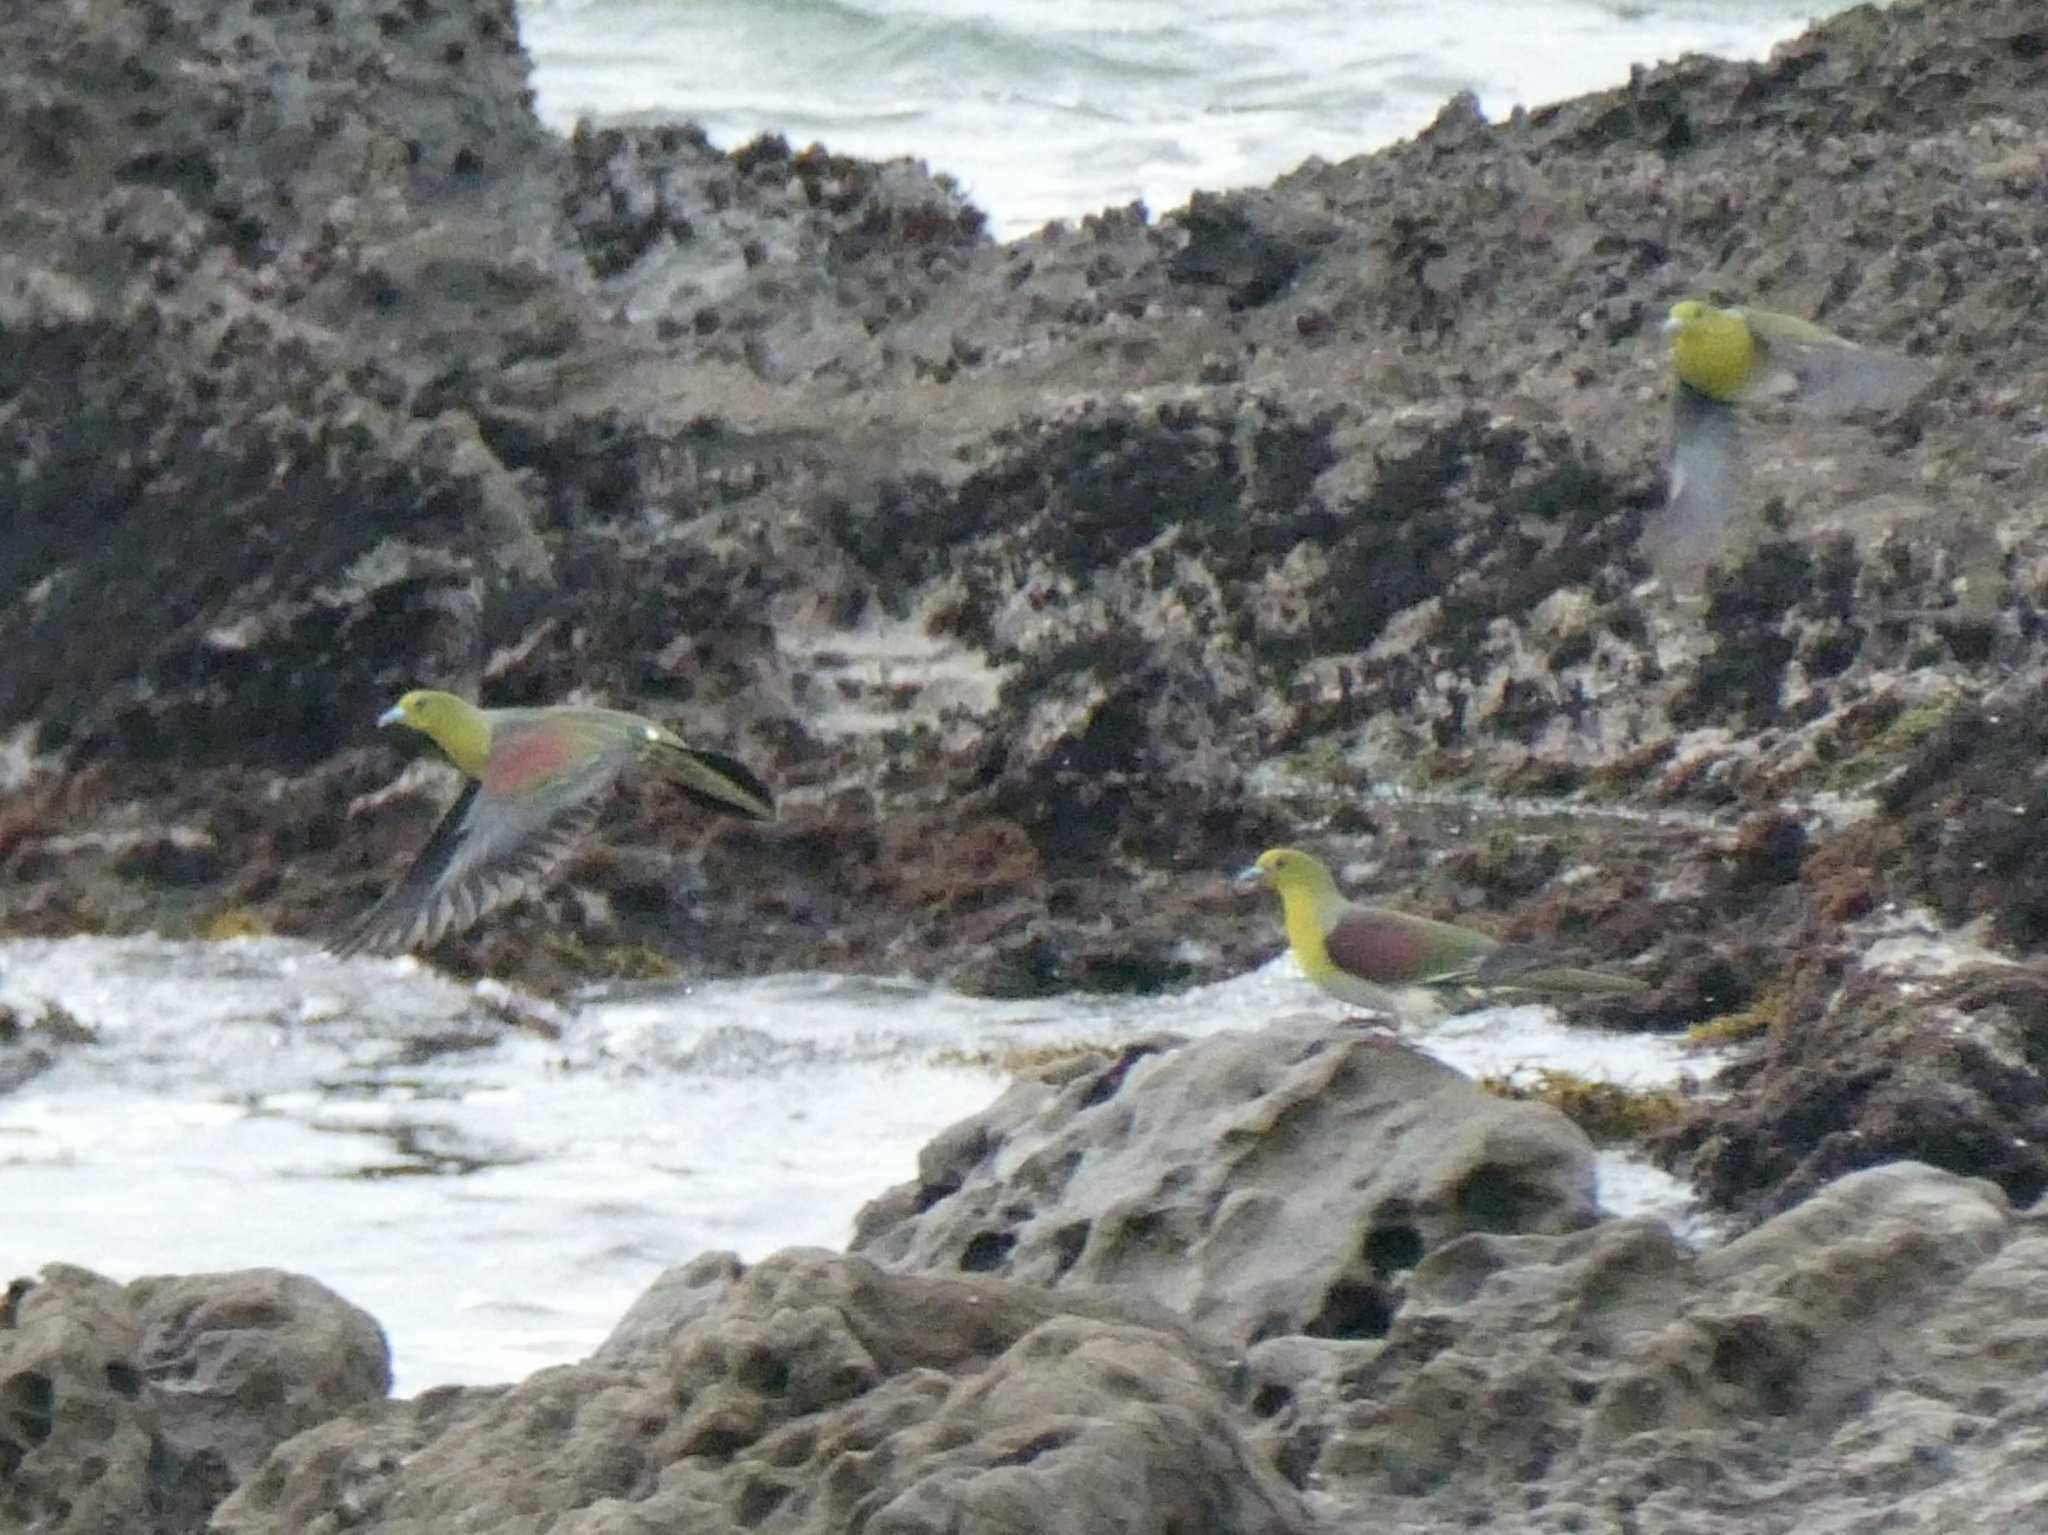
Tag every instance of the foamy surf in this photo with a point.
(1051, 109)
(494, 1178)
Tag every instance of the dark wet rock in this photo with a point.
(1228, 242)
(1912, 1055)
(1260, 1184)
(1033, 957)
(1961, 814)
(785, 262)
(32, 1039)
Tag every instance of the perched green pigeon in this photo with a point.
(1375, 958)
(537, 780)
(1722, 358)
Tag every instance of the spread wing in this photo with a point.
(488, 850)
(1708, 478)
(1823, 374)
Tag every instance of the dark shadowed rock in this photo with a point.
(31, 1040)
(1937, 1056)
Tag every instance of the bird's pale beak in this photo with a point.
(1670, 326)
(390, 716)
(1251, 874)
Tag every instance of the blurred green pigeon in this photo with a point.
(1393, 962)
(537, 780)
(1722, 358)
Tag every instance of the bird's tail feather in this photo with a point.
(1526, 969)
(715, 781)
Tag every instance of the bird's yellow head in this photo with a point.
(1712, 350)
(1308, 899)
(456, 726)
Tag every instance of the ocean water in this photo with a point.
(495, 1179)
(1046, 109)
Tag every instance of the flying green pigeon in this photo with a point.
(1381, 959)
(1722, 358)
(537, 780)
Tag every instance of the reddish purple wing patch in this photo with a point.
(528, 758)
(1369, 947)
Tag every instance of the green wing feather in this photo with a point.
(1822, 374)
(486, 852)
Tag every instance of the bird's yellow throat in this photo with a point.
(1712, 350)
(1306, 893)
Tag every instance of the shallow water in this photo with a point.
(496, 1196)
(1049, 109)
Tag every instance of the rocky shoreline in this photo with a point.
(1049, 581)
(1283, 1281)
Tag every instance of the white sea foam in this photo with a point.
(496, 1196)
(1049, 109)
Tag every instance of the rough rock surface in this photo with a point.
(1873, 1355)
(1865, 1362)
(1870, 1360)
(815, 1393)
(1911, 1049)
(1044, 579)
(1282, 1182)
(138, 1407)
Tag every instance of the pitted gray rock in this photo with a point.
(1260, 1184)
(818, 1394)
